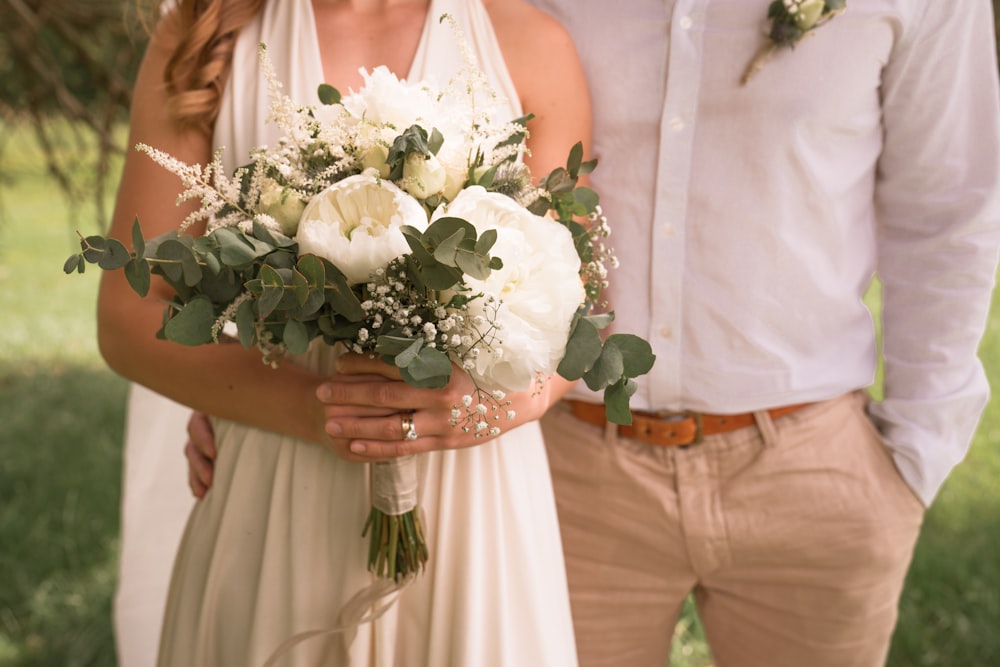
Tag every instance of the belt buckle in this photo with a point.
(685, 414)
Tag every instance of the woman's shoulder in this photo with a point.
(517, 19)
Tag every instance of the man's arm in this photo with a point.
(938, 205)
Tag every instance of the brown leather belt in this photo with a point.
(668, 429)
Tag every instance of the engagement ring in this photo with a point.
(409, 431)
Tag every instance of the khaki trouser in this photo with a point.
(794, 535)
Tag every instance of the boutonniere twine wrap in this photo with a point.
(790, 21)
(397, 221)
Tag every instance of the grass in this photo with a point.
(60, 463)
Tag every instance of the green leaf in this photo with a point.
(235, 250)
(575, 159)
(272, 290)
(474, 265)
(328, 94)
(246, 324)
(296, 337)
(137, 274)
(392, 346)
(447, 248)
(430, 369)
(486, 241)
(607, 370)
(171, 253)
(587, 167)
(582, 350)
(93, 248)
(616, 399)
(138, 242)
(76, 263)
(192, 325)
(637, 355)
(435, 142)
(586, 198)
(407, 356)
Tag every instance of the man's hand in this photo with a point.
(200, 452)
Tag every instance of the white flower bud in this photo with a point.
(808, 13)
(374, 158)
(282, 204)
(423, 177)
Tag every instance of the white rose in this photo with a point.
(282, 204)
(423, 176)
(539, 287)
(805, 12)
(355, 224)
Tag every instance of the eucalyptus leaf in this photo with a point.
(636, 353)
(582, 350)
(606, 370)
(410, 354)
(138, 242)
(616, 399)
(575, 159)
(171, 253)
(328, 94)
(75, 263)
(586, 198)
(137, 274)
(473, 265)
(431, 369)
(235, 251)
(392, 346)
(272, 291)
(192, 324)
(246, 323)
(447, 248)
(296, 337)
(93, 248)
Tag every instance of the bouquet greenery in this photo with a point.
(375, 224)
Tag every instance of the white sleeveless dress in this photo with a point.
(275, 549)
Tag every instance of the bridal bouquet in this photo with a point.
(397, 221)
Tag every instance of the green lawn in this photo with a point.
(60, 463)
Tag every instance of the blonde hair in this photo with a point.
(200, 36)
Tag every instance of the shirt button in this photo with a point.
(686, 23)
(666, 332)
(669, 230)
(676, 123)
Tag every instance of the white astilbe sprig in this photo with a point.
(470, 87)
(229, 314)
(210, 185)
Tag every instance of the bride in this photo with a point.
(274, 550)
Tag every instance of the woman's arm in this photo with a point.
(224, 380)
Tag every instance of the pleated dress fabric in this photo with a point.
(275, 549)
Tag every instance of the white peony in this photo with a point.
(539, 288)
(386, 101)
(355, 224)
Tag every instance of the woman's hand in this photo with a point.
(200, 453)
(367, 402)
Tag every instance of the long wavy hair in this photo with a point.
(201, 36)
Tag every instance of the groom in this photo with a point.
(749, 219)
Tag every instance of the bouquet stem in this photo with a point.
(397, 548)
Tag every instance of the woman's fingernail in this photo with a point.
(323, 392)
(333, 428)
(358, 448)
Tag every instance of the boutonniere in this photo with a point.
(791, 20)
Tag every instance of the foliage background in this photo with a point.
(65, 71)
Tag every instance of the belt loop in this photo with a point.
(765, 424)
